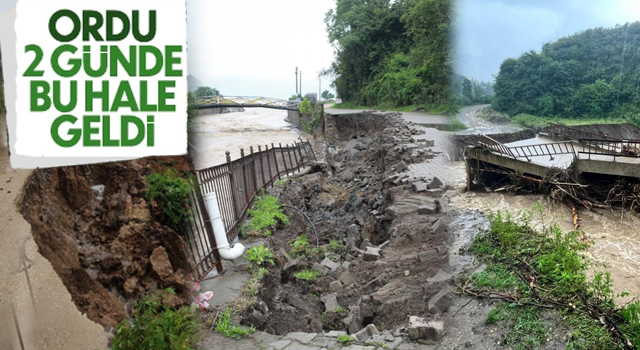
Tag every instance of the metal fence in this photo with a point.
(620, 148)
(236, 183)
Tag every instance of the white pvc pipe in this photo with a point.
(227, 251)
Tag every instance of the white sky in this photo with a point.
(252, 47)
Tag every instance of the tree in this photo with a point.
(206, 91)
(326, 95)
(466, 89)
(305, 107)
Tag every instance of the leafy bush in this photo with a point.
(266, 213)
(307, 275)
(157, 326)
(259, 255)
(171, 193)
(228, 329)
(345, 339)
(305, 107)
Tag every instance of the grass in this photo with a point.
(345, 339)
(265, 215)
(302, 248)
(225, 327)
(307, 275)
(158, 326)
(547, 267)
(536, 122)
(430, 108)
(259, 256)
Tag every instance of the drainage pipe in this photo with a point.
(227, 251)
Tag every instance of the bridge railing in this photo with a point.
(614, 148)
(244, 101)
(543, 149)
(490, 143)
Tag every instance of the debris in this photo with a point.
(420, 328)
(439, 303)
(330, 301)
(366, 333)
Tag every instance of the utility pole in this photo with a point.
(319, 86)
(296, 81)
(300, 84)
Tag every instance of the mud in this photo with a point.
(92, 224)
(355, 200)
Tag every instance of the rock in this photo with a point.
(330, 264)
(428, 209)
(278, 345)
(365, 333)
(292, 267)
(350, 145)
(440, 302)
(443, 204)
(160, 263)
(420, 328)
(378, 281)
(435, 183)
(406, 273)
(130, 285)
(419, 187)
(428, 255)
(440, 276)
(402, 166)
(365, 243)
(371, 254)
(335, 334)
(321, 268)
(442, 249)
(346, 278)
(330, 302)
(435, 191)
(335, 286)
(354, 320)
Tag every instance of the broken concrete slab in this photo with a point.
(420, 328)
(366, 333)
(371, 254)
(428, 209)
(435, 183)
(419, 187)
(330, 302)
(428, 255)
(346, 278)
(438, 227)
(335, 286)
(292, 267)
(330, 264)
(301, 337)
(335, 334)
(440, 302)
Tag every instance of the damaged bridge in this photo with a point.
(557, 147)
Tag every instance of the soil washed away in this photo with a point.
(93, 225)
(395, 259)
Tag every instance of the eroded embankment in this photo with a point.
(396, 249)
(93, 225)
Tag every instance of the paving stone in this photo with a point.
(301, 337)
(419, 187)
(278, 345)
(330, 301)
(438, 227)
(330, 264)
(335, 334)
(264, 337)
(326, 342)
(359, 347)
(420, 328)
(435, 183)
(298, 346)
(366, 333)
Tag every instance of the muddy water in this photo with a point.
(218, 133)
(615, 234)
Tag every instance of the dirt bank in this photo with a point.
(361, 200)
(93, 225)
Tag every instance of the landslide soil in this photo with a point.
(93, 225)
(352, 199)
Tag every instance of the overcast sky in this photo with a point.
(252, 47)
(489, 31)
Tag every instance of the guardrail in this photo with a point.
(244, 101)
(543, 149)
(494, 145)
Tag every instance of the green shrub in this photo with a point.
(265, 215)
(259, 255)
(345, 339)
(157, 326)
(228, 329)
(171, 193)
(305, 107)
(307, 275)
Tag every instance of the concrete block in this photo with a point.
(335, 334)
(330, 264)
(335, 286)
(428, 209)
(440, 302)
(346, 278)
(419, 187)
(420, 328)
(435, 183)
(365, 333)
(371, 254)
(428, 255)
(330, 302)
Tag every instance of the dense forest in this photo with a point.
(592, 74)
(391, 53)
(470, 91)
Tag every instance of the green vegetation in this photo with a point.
(535, 122)
(228, 329)
(316, 120)
(391, 53)
(265, 215)
(592, 74)
(252, 288)
(327, 95)
(307, 275)
(206, 91)
(157, 326)
(431, 108)
(470, 91)
(259, 256)
(302, 248)
(305, 107)
(171, 193)
(345, 339)
(532, 269)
